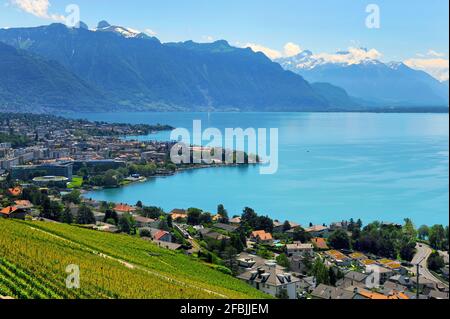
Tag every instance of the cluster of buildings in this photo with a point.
(363, 277)
(60, 147)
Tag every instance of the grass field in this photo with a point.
(34, 257)
(76, 182)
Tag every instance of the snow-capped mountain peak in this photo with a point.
(104, 26)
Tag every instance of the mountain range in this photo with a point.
(371, 82)
(41, 85)
(118, 68)
(137, 72)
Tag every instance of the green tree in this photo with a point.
(111, 215)
(409, 230)
(194, 215)
(145, 233)
(286, 226)
(437, 237)
(223, 213)
(301, 235)
(423, 232)
(85, 215)
(127, 224)
(435, 261)
(339, 240)
(73, 197)
(283, 261)
(67, 216)
(152, 212)
(321, 272)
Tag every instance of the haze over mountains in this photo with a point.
(370, 81)
(118, 68)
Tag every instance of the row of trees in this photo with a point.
(389, 240)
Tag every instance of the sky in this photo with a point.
(412, 31)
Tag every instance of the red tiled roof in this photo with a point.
(262, 235)
(16, 191)
(8, 210)
(23, 203)
(124, 208)
(320, 243)
(160, 234)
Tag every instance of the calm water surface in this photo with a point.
(333, 166)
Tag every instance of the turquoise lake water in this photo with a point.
(332, 166)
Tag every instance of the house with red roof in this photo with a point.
(124, 208)
(319, 243)
(163, 236)
(15, 191)
(13, 212)
(261, 236)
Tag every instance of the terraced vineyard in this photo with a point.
(34, 257)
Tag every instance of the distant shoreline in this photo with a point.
(387, 110)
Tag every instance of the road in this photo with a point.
(421, 257)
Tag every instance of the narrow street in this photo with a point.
(421, 257)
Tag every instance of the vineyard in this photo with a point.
(34, 257)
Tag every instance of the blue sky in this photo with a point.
(410, 30)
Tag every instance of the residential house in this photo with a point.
(358, 256)
(278, 226)
(163, 236)
(402, 280)
(246, 262)
(13, 212)
(142, 221)
(299, 249)
(338, 257)
(178, 214)
(272, 280)
(353, 279)
(318, 231)
(380, 272)
(319, 243)
(121, 209)
(23, 204)
(328, 292)
(15, 191)
(367, 294)
(226, 227)
(339, 225)
(209, 233)
(235, 221)
(260, 236)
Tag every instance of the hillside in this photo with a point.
(34, 256)
(140, 73)
(30, 83)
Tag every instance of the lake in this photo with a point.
(332, 166)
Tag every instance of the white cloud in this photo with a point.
(436, 67)
(435, 54)
(150, 32)
(38, 8)
(270, 53)
(292, 49)
(351, 56)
